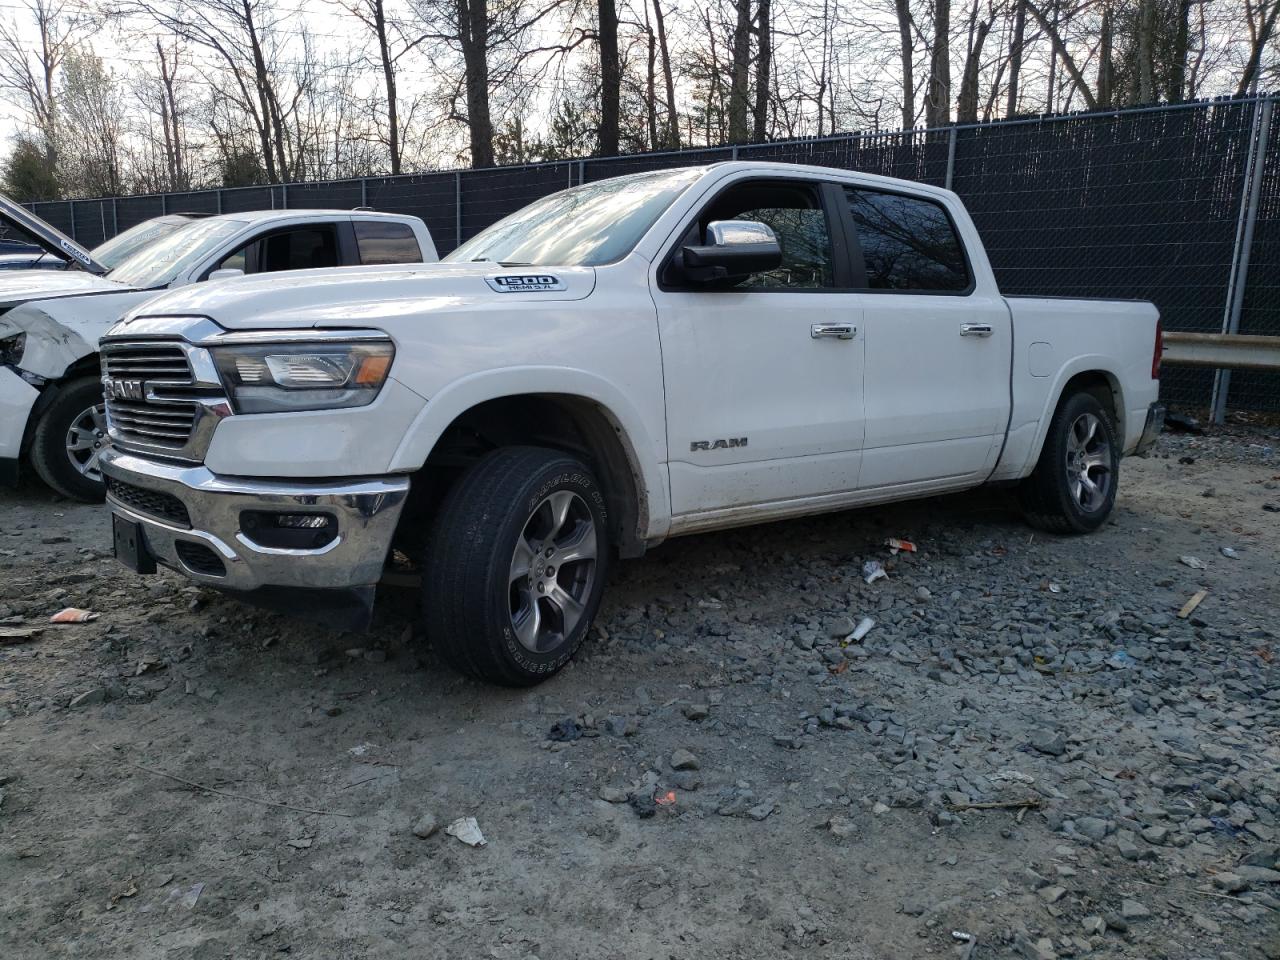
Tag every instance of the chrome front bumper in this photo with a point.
(1151, 429)
(366, 513)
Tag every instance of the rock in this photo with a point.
(1257, 874)
(684, 760)
(1041, 949)
(840, 628)
(842, 827)
(1230, 882)
(427, 825)
(696, 711)
(761, 811)
(1206, 924)
(1128, 849)
(1133, 910)
(1048, 742)
(1094, 924)
(1094, 828)
(621, 726)
(88, 698)
(1051, 894)
(1155, 835)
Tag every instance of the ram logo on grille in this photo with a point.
(116, 389)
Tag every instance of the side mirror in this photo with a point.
(226, 273)
(735, 249)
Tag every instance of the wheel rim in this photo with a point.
(1089, 471)
(553, 570)
(86, 437)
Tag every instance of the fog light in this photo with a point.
(303, 521)
(289, 531)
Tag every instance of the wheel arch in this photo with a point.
(560, 412)
(1087, 374)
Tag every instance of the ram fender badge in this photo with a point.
(699, 445)
(524, 282)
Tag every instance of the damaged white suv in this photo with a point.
(51, 412)
(622, 362)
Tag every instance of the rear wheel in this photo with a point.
(515, 568)
(68, 440)
(1073, 488)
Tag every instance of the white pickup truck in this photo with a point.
(626, 361)
(51, 411)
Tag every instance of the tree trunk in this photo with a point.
(1106, 66)
(906, 48)
(1146, 52)
(673, 121)
(739, 73)
(473, 32)
(764, 68)
(1248, 78)
(937, 102)
(1064, 55)
(1015, 57)
(651, 81)
(967, 106)
(389, 79)
(610, 78)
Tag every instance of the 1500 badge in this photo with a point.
(522, 282)
(698, 445)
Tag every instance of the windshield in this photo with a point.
(114, 252)
(161, 263)
(582, 227)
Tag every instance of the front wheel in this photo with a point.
(1073, 487)
(68, 440)
(515, 568)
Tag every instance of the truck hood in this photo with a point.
(363, 296)
(19, 286)
(47, 236)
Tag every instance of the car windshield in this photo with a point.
(161, 263)
(582, 227)
(123, 245)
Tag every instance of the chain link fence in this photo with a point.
(1177, 204)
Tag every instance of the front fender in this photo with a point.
(645, 452)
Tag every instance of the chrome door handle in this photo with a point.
(840, 331)
(976, 330)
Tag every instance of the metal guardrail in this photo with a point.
(1222, 351)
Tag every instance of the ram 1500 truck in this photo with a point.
(51, 413)
(622, 362)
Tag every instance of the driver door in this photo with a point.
(764, 378)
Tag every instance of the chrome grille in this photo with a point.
(159, 403)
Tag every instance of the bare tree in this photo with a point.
(1260, 18)
(937, 101)
(764, 66)
(610, 76)
(906, 48)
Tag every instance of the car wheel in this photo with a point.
(515, 567)
(1073, 487)
(68, 440)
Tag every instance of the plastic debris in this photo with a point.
(895, 545)
(1195, 563)
(665, 799)
(872, 571)
(961, 936)
(1191, 604)
(301, 843)
(467, 830)
(861, 630)
(73, 615)
(1230, 553)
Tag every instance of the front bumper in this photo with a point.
(1151, 429)
(17, 397)
(157, 495)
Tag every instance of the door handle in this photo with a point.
(975, 330)
(840, 331)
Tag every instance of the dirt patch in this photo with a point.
(717, 774)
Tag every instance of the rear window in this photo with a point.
(386, 241)
(908, 243)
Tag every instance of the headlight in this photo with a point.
(11, 348)
(276, 377)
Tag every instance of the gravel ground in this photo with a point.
(186, 777)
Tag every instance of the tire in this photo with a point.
(75, 418)
(497, 604)
(1073, 487)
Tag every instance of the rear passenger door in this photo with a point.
(937, 346)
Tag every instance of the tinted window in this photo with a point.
(907, 243)
(794, 213)
(385, 241)
(299, 250)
